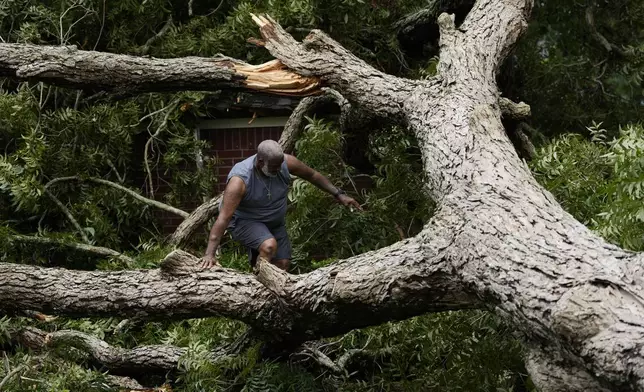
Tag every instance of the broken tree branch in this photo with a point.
(295, 124)
(202, 214)
(338, 68)
(67, 66)
(162, 358)
(516, 111)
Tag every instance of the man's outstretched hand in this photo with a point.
(349, 201)
(209, 261)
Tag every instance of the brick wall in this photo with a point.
(228, 145)
(234, 145)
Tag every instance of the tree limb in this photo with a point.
(202, 214)
(336, 67)
(129, 384)
(157, 358)
(610, 47)
(524, 140)
(295, 123)
(553, 374)
(95, 250)
(67, 66)
(516, 111)
(360, 291)
(130, 192)
(118, 360)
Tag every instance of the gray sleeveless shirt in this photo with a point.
(256, 204)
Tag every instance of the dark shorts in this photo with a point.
(252, 234)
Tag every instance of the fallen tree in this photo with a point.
(498, 240)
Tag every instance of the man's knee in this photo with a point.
(268, 248)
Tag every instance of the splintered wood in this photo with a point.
(275, 77)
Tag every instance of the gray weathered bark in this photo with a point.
(498, 240)
(322, 303)
(70, 67)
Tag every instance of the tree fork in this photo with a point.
(498, 240)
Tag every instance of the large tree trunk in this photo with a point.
(498, 240)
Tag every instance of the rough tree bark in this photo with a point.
(122, 74)
(498, 239)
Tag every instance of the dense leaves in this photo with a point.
(600, 181)
(564, 70)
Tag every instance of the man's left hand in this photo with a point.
(348, 201)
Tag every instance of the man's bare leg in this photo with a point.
(268, 249)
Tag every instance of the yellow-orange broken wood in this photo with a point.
(275, 77)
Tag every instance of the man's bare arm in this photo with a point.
(300, 169)
(233, 195)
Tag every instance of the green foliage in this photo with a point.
(396, 206)
(453, 351)
(599, 181)
(568, 77)
(46, 373)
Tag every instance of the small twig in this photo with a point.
(68, 214)
(11, 374)
(162, 126)
(216, 9)
(79, 93)
(100, 32)
(190, 8)
(322, 359)
(113, 167)
(610, 47)
(148, 44)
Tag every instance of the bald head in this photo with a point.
(270, 151)
(269, 157)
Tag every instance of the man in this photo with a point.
(254, 205)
